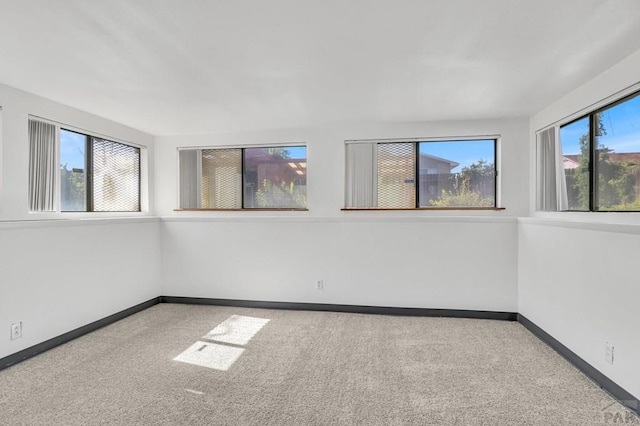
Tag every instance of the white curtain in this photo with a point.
(42, 166)
(190, 175)
(552, 183)
(361, 175)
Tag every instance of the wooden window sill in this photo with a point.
(243, 210)
(346, 209)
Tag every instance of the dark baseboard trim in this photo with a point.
(624, 397)
(356, 309)
(617, 392)
(73, 334)
(78, 332)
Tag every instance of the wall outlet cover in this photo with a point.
(608, 352)
(16, 330)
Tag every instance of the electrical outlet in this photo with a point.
(320, 284)
(608, 352)
(16, 330)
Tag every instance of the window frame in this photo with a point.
(242, 149)
(89, 196)
(142, 169)
(593, 155)
(417, 141)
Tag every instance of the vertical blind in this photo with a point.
(42, 166)
(190, 178)
(361, 175)
(552, 186)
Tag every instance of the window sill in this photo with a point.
(69, 222)
(346, 209)
(581, 223)
(242, 210)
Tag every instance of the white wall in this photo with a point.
(577, 275)
(57, 274)
(579, 282)
(431, 259)
(415, 262)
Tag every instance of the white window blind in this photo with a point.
(552, 189)
(190, 178)
(116, 176)
(42, 166)
(396, 175)
(222, 178)
(361, 175)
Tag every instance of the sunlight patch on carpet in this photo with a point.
(211, 355)
(236, 330)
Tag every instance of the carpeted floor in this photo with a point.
(304, 368)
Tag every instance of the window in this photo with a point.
(73, 168)
(243, 178)
(598, 161)
(574, 138)
(94, 174)
(421, 174)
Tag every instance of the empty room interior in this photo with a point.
(319, 212)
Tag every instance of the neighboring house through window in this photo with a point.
(593, 162)
(273, 177)
(421, 174)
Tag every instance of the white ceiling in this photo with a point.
(193, 66)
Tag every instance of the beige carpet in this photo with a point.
(304, 368)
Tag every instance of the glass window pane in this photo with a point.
(116, 177)
(457, 173)
(221, 179)
(275, 177)
(617, 141)
(73, 176)
(574, 138)
(396, 175)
